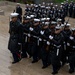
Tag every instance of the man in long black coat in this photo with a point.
(14, 31)
(19, 11)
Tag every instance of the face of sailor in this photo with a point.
(59, 23)
(66, 28)
(17, 5)
(74, 33)
(45, 27)
(57, 31)
(62, 28)
(14, 19)
(25, 21)
(36, 23)
(52, 27)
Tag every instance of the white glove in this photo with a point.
(28, 35)
(48, 43)
(40, 39)
(41, 32)
(31, 29)
(68, 44)
(51, 37)
(19, 43)
(71, 38)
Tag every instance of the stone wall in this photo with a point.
(40, 1)
(35, 1)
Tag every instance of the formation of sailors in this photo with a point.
(43, 35)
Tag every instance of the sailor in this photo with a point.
(14, 31)
(56, 52)
(74, 11)
(19, 11)
(71, 43)
(59, 21)
(70, 10)
(26, 25)
(34, 32)
(66, 33)
(44, 33)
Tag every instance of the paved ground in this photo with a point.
(24, 67)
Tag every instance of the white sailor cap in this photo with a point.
(42, 6)
(53, 7)
(61, 6)
(36, 6)
(27, 4)
(32, 4)
(32, 16)
(36, 20)
(14, 14)
(43, 22)
(62, 3)
(47, 18)
(42, 19)
(65, 23)
(46, 7)
(53, 22)
(39, 5)
(73, 29)
(51, 3)
(59, 20)
(43, 3)
(49, 7)
(28, 17)
(46, 23)
(62, 25)
(48, 3)
(18, 3)
(56, 5)
(68, 24)
(58, 27)
(51, 11)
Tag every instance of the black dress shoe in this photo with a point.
(59, 68)
(34, 61)
(63, 63)
(71, 71)
(54, 73)
(44, 67)
(14, 62)
(30, 56)
(48, 64)
(24, 56)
